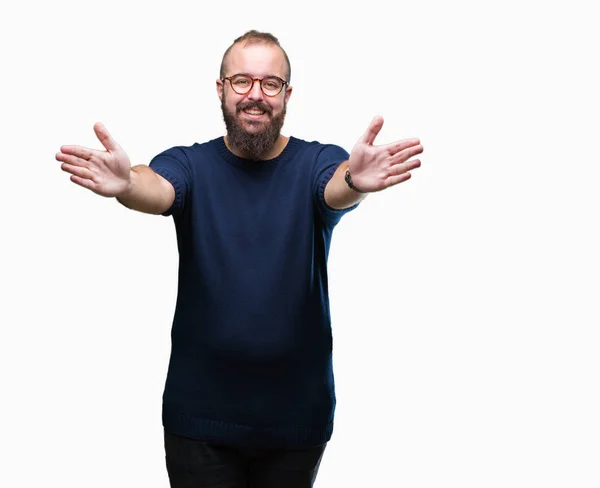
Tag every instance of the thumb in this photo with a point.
(105, 138)
(374, 128)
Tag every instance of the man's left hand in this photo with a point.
(375, 168)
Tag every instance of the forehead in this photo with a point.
(257, 60)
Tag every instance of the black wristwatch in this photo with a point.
(348, 179)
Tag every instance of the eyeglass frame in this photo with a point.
(254, 80)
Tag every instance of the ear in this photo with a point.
(288, 93)
(220, 89)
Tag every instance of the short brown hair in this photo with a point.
(256, 37)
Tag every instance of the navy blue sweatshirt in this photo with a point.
(251, 357)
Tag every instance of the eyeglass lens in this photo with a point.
(242, 84)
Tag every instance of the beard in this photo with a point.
(254, 145)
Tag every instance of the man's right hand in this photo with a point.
(107, 173)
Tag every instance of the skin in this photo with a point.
(257, 60)
(373, 168)
(106, 173)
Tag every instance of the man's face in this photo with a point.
(253, 120)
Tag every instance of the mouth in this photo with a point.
(254, 112)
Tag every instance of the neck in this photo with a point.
(275, 151)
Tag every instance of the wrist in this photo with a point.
(128, 190)
(348, 179)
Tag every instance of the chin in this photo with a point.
(254, 126)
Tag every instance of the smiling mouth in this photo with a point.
(253, 111)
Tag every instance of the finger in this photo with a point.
(89, 184)
(70, 159)
(79, 151)
(399, 169)
(405, 154)
(394, 180)
(398, 146)
(77, 171)
(374, 128)
(107, 141)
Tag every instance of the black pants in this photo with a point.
(197, 464)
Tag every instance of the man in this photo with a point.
(249, 397)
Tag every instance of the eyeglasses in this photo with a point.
(271, 86)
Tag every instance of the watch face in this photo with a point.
(348, 179)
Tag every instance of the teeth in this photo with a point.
(254, 112)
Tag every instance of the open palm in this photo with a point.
(106, 173)
(374, 168)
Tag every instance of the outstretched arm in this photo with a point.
(109, 173)
(372, 168)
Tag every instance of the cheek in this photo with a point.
(277, 108)
(231, 105)
(229, 102)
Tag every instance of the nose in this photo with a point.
(255, 92)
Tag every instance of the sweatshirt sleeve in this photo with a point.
(327, 161)
(174, 165)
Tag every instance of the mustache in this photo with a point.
(257, 105)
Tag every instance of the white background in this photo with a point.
(464, 301)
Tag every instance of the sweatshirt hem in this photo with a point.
(216, 431)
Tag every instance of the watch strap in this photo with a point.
(348, 179)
